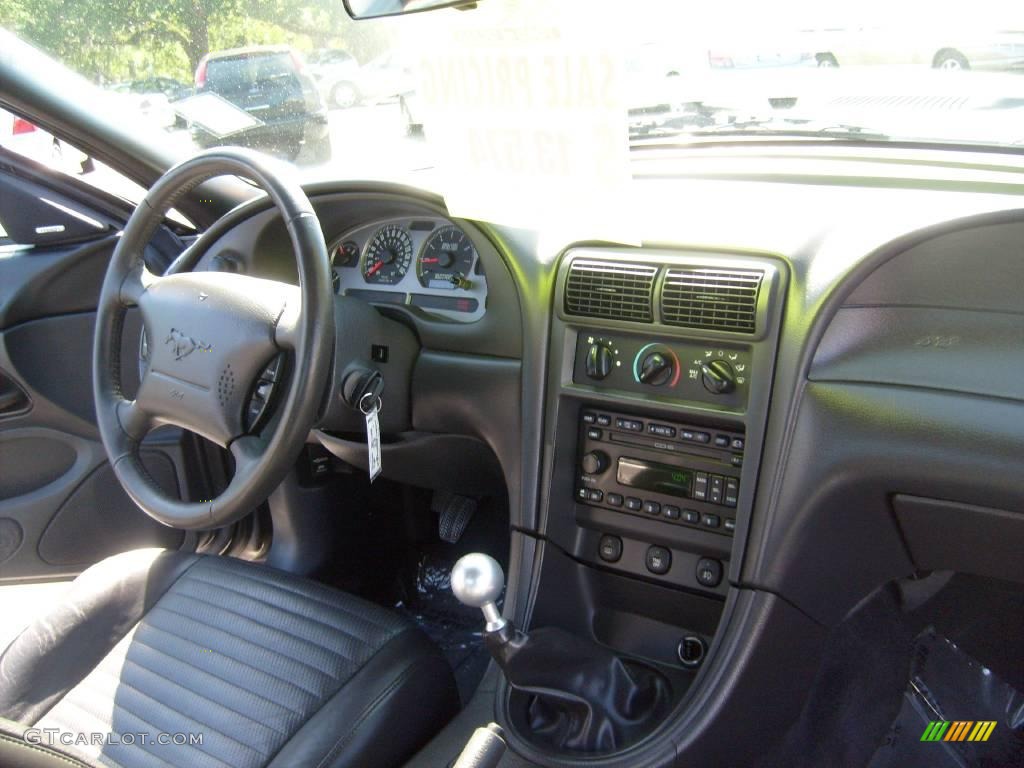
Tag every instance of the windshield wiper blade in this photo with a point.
(764, 128)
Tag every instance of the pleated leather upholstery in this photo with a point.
(240, 654)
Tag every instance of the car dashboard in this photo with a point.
(787, 395)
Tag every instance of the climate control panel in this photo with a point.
(713, 373)
(678, 473)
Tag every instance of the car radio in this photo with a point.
(678, 473)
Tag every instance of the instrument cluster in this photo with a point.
(428, 263)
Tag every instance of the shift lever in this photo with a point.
(477, 581)
(581, 695)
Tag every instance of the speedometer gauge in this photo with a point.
(446, 259)
(388, 256)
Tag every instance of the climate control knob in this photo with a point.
(595, 462)
(656, 369)
(719, 377)
(600, 359)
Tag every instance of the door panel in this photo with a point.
(61, 507)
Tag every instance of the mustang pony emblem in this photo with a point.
(185, 345)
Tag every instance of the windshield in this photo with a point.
(300, 80)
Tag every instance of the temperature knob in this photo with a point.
(656, 369)
(599, 360)
(719, 377)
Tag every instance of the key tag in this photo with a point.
(372, 431)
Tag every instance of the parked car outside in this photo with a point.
(336, 73)
(271, 84)
(953, 49)
(29, 140)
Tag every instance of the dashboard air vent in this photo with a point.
(711, 299)
(613, 289)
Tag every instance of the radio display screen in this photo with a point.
(660, 478)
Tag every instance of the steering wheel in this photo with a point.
(209, 337)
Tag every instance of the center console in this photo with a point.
(657, 398)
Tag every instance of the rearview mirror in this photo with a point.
(373, 9)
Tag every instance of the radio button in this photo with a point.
(710, 521)
(730, 524)
(594, 463)
(701, 437)
(717, 489)
(630, 424)
(737, 460)
(737, 443)
(589, 418)
(596, 495)
(721, 441)
(671, 513)
(691, 516)
(732, 491)
(609, 548)
(652, 508)
(614, 499)
(633, 503)
(583, 494)
(700, 486)
(658, 560)
(604, 420)
(594, 434)
(661, 430)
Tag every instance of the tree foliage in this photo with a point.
(111, 40)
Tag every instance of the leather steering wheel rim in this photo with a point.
(209, 335)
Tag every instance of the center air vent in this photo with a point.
(711, 299)
(617, 290)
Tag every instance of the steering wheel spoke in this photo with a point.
(135, 421)
(136, 282)
(248, 451)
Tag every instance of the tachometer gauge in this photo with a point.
(446, 259)
(388, 256)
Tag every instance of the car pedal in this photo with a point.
(454, 513)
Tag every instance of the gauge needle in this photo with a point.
(375, 268)
(429, 261)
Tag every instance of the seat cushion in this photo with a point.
(252, 666)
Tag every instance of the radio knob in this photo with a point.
(656, 369)
(719, 377)
(599, 360)
(595, 462)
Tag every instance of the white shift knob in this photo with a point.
(477, 581)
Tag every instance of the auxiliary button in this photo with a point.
(710, 521)
(671, 513)
(596, 495)
(594, 433)
(721, 441)
(633, 503)
(701, 437)
(609, 548)
(589, 418)
(730, 524)
(658, 560)
(583, 494)
(652, 508)
(614, 499)
(604, 420)
(691, 516)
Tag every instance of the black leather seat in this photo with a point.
(266, 668)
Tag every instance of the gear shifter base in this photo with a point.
(579, 696)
